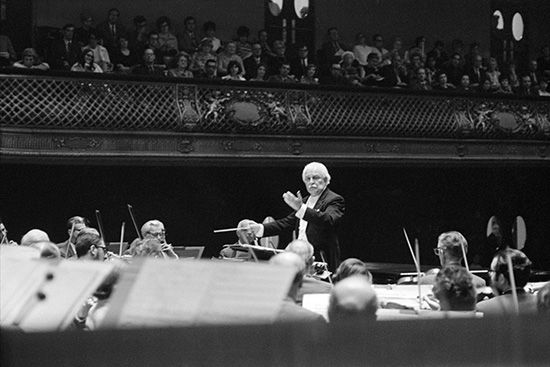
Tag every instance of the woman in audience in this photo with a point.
(123, 57)
(199, 58)
(230, 54)
(209, 29)
(244, 47)
(505, 87)
(465, 84)
(309, 77)
(168, 42)
(101, 55)
(261, 72)
(442, 82)
(181, 70)
(543, 87)
(350, 68)
(86, 63)
(493, 74)
(513, 78)
(31, 61)
(235, 71)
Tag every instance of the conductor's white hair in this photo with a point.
(318, 167)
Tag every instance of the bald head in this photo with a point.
(303, 249)
(290, 259)
(34, 235)
(353, 298)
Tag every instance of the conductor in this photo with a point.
(315, 217)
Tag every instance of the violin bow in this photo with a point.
(465, 258)
(69, 241)
(121, 238)
(512, 282)
(131, 210)
(411, 249)
(417, 250)
(99, 224)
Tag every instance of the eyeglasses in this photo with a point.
(158, 234)
(439, 250)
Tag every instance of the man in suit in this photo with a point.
(111, 30)
(251, 62)
(501, 282)
(315, 218)
(65, 52)
(284, 75)
(298, 65)
(476, 72)
(148, 66)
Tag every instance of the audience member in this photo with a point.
(235, 71)
(350, 69)
(512, 75)
(501, 282)
(252, 62)
(310, 76)
(7, 51)
(280, 57)
(199, 58)
(86, 63)
(544, 61)
(34, 236)
(493, 74)
(361, 50)
(290, 311)
(418, 47)
(111, 29)
(263, 38)
(526, 87)
(534, 72)
(148, 66)
(353, 299)
(470, 58)
(181, 69)
(209, 29)
(74, 226)
(261, 73)
(101, 55)
(210, 70)
(335, 77)
(351, 267)
(124, 58)
(505, 87)
(464, 85)
(333, 48)
(394, 74)
(439, 54)
(454, 70)
(139, 37)
(373, 74)
(82, 34)
(421, 81)
(476, 72)
(168, 42)
(415, 63)
(454, 289)
(442, 83)
(64, 53)
(188, 40)
(298, 65)
(229, 54)
(244, 46)
(31, 61)
(284, 75)
(378, 48)
(543, 87)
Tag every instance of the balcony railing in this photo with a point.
(107, 103)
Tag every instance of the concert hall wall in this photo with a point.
(193, 201)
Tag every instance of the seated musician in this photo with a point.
(501, 282)
(90, 246)
(450, 247)
(310, 284)
(155, 229)
(290, 311)
(34, 236)
(353, 299)
(454, 289)
(246, 236)
(74, 226)
(349, 267)
(149, 247)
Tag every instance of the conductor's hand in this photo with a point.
(254, 226)
(293, 201)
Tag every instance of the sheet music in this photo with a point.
(170, 293)
(317, 302)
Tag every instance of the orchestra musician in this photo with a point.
(245, 235)
(155, 229)
(4, 233)
(315, 218)
(74, 226)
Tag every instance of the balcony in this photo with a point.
(56, 118)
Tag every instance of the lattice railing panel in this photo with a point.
(105, 104)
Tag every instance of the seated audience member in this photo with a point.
(442, 83)
(155, 229)
(378, 48)
(534, 72)
(310, 284)
(64, 53)
(351, 69)
(464, 85)
(298, 65)
(167, 41)
(210, 69)
(261, 73)
(245, 235)
(333, 48)
(418, 47)
(139, 37)
(421, 81)
(74, 226)
(48, 250)
(431, 70)
(4, 233)
(543, 87)
(454, 289)
(526, 87)
(476, 72)
(111, 29)
(290, 311)
(335, 77)
(395, 74)
(512, 75)
(244, 47)
(263, 38)
(124, 58)
(34, 236)
(82, 34)
(503, 303)
(199, 58)
(415, 63)
(457, 47)
(148, 66)
(454, 70)
(86, 63)
(284, 75)
(505, 87)
(101, 55)
(229, 54)
(350, 267)
(543, 300)
(149, 247)
(252, 62)
(280, 57)
(485, 87)
(209, 29)
(439, 54)
(450, 249)
(309, 76)
(7, 51)
(31, 61)
(471, 56)
(353, 299)
(361, 50)
(90, 246)
(181, 69)
(235, 71)
(373, 73)
(493, 74)
(188, 40)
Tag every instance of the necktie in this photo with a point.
(68, 48)
(113, 30)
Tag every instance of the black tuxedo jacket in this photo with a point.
(323, 220)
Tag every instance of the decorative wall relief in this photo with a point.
(189, 108)
(76, 143)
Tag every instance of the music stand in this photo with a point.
(189, 252)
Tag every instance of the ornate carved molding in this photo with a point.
(76, 143)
